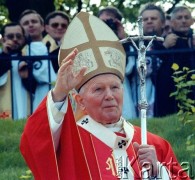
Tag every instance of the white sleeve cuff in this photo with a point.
(56, 112)
(58, 109)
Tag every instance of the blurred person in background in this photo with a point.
(56, 24)
(13, 40)
(41, 70)
(153, 18)
(180, 38)
(113, 17)
(167, 29)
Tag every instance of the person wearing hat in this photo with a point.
(98, 144)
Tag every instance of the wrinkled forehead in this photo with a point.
(101, 79)
(182, 12)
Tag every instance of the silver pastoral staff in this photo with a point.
(141, 68)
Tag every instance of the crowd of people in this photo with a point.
(24, 82)
(27, 81)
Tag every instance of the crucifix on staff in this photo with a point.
(141, 69)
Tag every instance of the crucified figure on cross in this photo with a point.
(142, 69)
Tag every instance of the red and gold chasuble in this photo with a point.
(81, 155)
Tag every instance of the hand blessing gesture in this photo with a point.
(66, 79)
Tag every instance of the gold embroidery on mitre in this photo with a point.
(85, 58)
(114, 59)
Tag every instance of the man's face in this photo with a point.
(57, 27)
(102, 98)
(32, 26)
(182, 21)
(14, 37)
(152, 23)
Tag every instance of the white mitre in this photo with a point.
(99, 48)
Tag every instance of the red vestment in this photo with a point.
(80, 155)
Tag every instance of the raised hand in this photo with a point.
(66, 79)
(8, 46)
(120, 29)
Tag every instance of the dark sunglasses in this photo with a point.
(11, 36)
(55, 25)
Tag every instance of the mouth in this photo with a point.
(109, 107)
(31, 30)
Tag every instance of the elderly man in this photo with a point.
(100, 144)
(113, 18)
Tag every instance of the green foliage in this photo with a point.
(184, 81)
(129, 8)
(12, 165)
(27, 175)
(3, 13)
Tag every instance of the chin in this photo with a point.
(111, 118)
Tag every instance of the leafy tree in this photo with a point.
(10, 9)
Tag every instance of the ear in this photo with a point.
(80, 109)
(79, 101)
(192, 21)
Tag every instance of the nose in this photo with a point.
(183, 19)
(30, 23)
(15, 38)
(109, 94)
(149, 20)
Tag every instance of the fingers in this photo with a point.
(81, 72)
(136, 147)
(68, 60)
(145, 153)
(70, 56)
(64, 65)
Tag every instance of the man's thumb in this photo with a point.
(136, 146)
